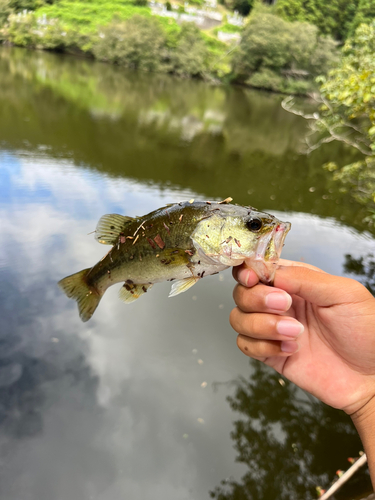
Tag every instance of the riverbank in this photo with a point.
(205, 41)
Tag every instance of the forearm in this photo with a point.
(364, 421)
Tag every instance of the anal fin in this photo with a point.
(130, 292)
(180, 286)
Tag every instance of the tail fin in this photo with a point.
(88, 298)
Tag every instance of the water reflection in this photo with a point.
(115, 408)
(154, 128)
(290, 442)
(124, 406)
(363, 268)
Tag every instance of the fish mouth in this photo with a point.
(268, 252)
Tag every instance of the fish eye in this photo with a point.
(254, 225)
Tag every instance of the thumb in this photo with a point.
(315, 286)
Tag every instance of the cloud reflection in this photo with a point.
(114, 408)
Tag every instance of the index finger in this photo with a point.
(296, 263)
(246, 276)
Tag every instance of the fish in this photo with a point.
(182, 243)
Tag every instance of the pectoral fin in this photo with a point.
(110, 227)
(131, 292)
(180, 286)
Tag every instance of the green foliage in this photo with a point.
(365, 14)
(273, 51)
(347, 114)
(5, 11)
(168, 6)
(21, 30)
(27, 30)
(137, 43)
(333, 18)
(86, 16)
(141, 3)
(228, 28)
(20, 5)
(191, 56)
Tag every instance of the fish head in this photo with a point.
(238, 234)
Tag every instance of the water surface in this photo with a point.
(133, 404)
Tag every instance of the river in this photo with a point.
(152, 400)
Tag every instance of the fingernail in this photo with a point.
(289, 327)
(279, 301)
(289, 346)
(243, 276)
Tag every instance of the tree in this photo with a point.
(365, 14)
(363, 268)
(5, 11)
(281, 54)
(138, 43)
(190, 56)
(347, 114)
(289, 441)
(332, 18)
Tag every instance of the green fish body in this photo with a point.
(182, 243)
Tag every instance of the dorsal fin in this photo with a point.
(109, 228)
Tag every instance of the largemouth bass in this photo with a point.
(183, 243)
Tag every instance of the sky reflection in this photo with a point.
(114, 408)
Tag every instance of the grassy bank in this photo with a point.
(266, 52)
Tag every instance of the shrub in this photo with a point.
(190, 56)
(365, 14)
(20, 5)
(294, 50)
(137, 43)
(332, 18)
(5, 11)
(21, 30)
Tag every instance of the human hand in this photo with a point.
(316, 329)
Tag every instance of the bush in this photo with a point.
(21, 5)
(333, 18)
(293, 50)
(137, 43)
(190, 56)
(365, 14)
(5, 11)
(21, 30)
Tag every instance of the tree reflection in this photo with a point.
(290, 441)
(363, 268)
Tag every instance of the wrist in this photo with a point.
(364, 421)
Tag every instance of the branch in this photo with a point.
(347, 475)
(319, 122)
